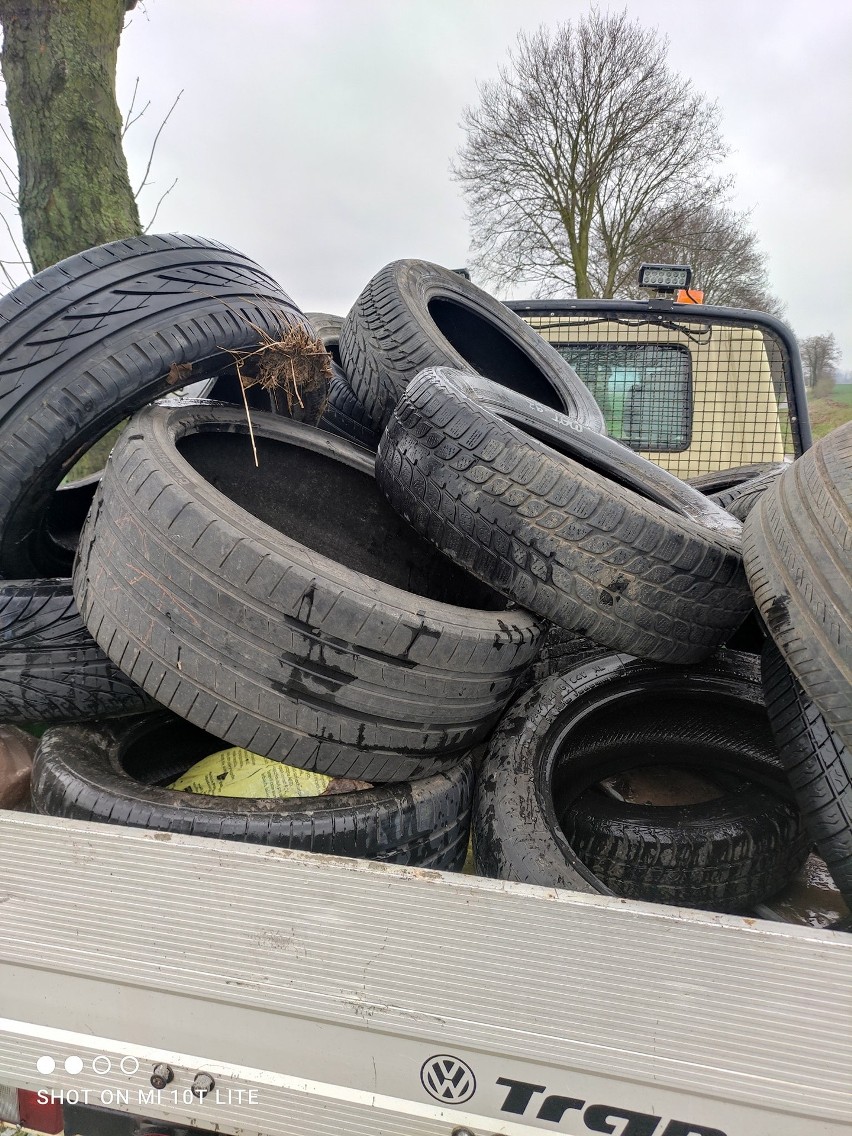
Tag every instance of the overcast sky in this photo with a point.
(316, 135)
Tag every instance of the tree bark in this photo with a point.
(59, 60)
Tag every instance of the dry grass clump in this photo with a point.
(295, 366)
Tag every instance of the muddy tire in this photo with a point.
(729, 852)
(342, 646)
(818, 765)
(558, 741)
(798, 555)
(51, 669)
(117, 773)
(575, 546)
(414, 315)
(88, 341)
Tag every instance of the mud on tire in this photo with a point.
(118, 773)
(343, 646)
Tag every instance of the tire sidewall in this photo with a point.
(517, 774)
(91, 755)
(163, 427)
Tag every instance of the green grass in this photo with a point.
(827, 414)
(94, 459)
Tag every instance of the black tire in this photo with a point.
(117, 773)
(560, 651)
(818, 765)
(662, 580)
(334, 647)
(327, 329)
(798, 555)
(741, 499)
(723, 853)
(723, 479)
(88, 341)
(414, 315)
(70, 505)
(51, 669)
(345, 416)
(552, 747)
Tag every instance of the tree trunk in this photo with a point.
(59, 60)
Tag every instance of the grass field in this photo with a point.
(827, 413)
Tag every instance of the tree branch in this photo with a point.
(144, 181)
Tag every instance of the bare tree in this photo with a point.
(820, 356)
(59, 62)
(575, 154)
(727, 260)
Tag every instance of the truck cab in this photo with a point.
(698, 390)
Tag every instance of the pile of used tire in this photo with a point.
(424, 568)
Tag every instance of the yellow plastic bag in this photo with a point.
(240, 773)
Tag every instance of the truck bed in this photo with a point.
(325, 995)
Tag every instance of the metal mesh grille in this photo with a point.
(691, 395)
(643, 389)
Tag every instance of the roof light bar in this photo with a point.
(664, 277)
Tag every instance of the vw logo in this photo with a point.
(448, 1079)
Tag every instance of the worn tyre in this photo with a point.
(818, 765)
(51, 669)
(560, 651)
(342, 646)
(798, 555)
(344, 415)
(723, 479)
(558, 740)
(728, 850)
(414, 315)
(86, 342)
(118, 772)
(740, 499)
(632, 558)
(327, 328)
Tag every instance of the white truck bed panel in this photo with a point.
(316, 990)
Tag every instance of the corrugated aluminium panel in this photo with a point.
(319, 993)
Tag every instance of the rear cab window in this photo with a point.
(643, 389)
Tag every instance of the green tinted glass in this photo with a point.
(643, 389)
